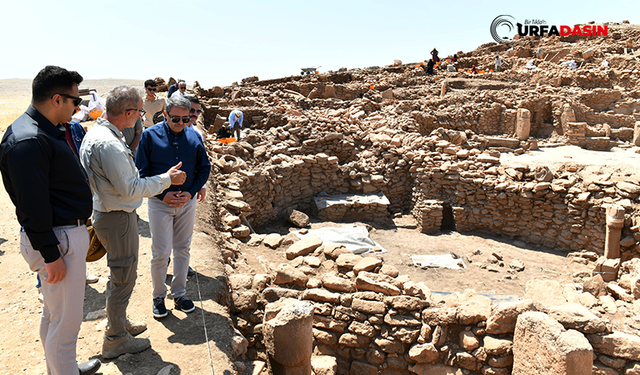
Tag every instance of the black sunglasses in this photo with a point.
(176, 119)
(76, 99)
(142, 111)
(152, 88)
(199, 112)
(182, 87)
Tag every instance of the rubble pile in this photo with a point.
(433, 146)
(370, 318)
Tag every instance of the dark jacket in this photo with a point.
(44, 180)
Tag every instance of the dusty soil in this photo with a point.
(401, 241)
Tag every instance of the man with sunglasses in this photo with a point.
(182, 89)
(151, 103)
(50, 190)
(118, 191)
(172, 213)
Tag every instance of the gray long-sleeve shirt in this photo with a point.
(113, 176)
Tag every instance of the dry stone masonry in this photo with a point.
(434, 147)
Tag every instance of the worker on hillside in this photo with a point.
(498, 63)
(474, 70)
(428, 70)
(434, 55)
(235, 122)
(454, 58)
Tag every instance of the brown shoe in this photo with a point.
(135, 328)
(123, 345)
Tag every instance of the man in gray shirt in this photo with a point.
(117, 193)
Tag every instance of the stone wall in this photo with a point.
(374, 321)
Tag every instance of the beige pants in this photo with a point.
(62, 309)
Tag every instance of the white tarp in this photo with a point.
(96, 103)
(444, 260)
(324, 200)
(353, 237)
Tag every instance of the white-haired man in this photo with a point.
(118, 190)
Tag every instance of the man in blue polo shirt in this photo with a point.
(172, 213)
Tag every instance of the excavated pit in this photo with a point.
(440, 161)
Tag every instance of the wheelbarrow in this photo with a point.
(311, 70)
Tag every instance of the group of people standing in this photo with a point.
(56, 185)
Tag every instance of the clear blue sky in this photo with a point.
(219, 42)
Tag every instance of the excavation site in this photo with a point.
(383, 220)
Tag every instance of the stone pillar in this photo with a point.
(288, 337)
(443, 90)
(523, 124)
(636, 134)
(577, 132)
(541, 345)
(615, 222)
(567, 116)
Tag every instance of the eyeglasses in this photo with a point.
(182, 87)
(76, 99)
(152, 88)
(142, 111)
(198, 111)
(176, 119)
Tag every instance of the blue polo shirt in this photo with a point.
(159, 149)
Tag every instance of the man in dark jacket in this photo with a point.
(50, 190)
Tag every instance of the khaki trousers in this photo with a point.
(118, 232)
(63, 302)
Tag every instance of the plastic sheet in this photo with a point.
(324, 200)
(444, 260)
(353, 237)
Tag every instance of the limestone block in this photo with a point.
(497, 345)
(334, 250)
(424, 353)
(377, 283)
(474, 309)
(595, 286)
(338, 284)
(368, 307)
(362, 328)
(288, 337)
(599, 369)
(303, 247)
(287, 274)
(542, 346)
(434, 369)
(636, 134)
(297, 218)
(546, 292)
(406, 303)
(324, 365)
(321, 295)
(578, 317)
(616, 344)
(367, 264)
(387, 94)
(272, 240)
(241, 231)
(468, 341)
(348, 260)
